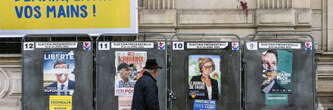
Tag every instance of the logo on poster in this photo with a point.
(235, 45)
(204, 105)
(86, 45)
(130, 53)
(308, 45)
(161, 45)
(252, 45)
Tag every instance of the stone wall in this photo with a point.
(330, 25)
(218, 16)
(10, 82)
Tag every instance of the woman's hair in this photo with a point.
(204, 60)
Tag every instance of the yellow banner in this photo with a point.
(67, 14)
(60, 103)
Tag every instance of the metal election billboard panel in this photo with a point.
(20, 17)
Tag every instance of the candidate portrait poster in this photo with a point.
(129, 66)
(277, 74)
(204, 76)
(277, 71)
(58, 76)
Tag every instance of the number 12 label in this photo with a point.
(28, 46)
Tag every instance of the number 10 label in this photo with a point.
(177, 45)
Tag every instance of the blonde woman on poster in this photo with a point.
(203, 85)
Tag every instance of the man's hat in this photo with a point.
(122, 65)
(152, 64)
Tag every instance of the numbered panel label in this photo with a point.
(28, 46)
(178, 46)
(103, 45)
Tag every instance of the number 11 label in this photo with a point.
(103, 45)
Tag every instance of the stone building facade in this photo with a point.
(217, 16)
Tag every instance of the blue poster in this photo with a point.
(204, 105)
(58, 76)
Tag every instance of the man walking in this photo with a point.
(145, 90)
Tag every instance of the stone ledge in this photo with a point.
(11, 55)
(157, 29)
(276, 28)
(325, 53)
(180, 18)
(325, 86)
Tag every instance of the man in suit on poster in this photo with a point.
(270, 73)
(63, 85)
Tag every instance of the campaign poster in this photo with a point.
(276, 99)
(204, 104)
(58, 76)
(125, 102)
(277, 71)
(60, 102)
(204, 77)
(129, 66)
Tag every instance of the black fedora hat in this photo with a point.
(152, 64)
